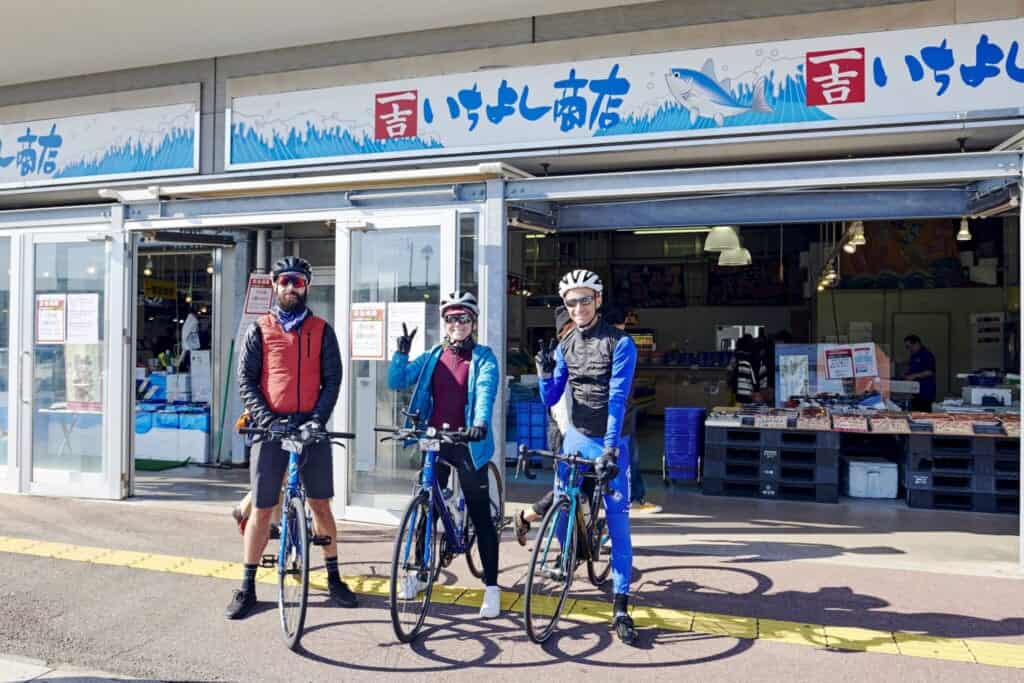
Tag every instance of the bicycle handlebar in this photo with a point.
(523, 461)
(457, 436)
(304, 435)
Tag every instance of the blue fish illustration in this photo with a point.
(704, 95)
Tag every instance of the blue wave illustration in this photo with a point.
(787, 100)
(175, 151)
(248, 146)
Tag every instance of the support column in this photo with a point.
(493, 260)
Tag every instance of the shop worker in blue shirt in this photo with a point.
(456, 383)
(596, 362)
(922, 371)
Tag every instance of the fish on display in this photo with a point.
(704, 95)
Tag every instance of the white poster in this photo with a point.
(367, 331)
(794, 378)
(83, 318)
(202, 385)
(414, 315)
(839, 363)
(864, 363)
(51, 310)
(259, 297)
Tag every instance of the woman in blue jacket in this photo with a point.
(456, 382)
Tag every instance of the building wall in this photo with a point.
(652, 27)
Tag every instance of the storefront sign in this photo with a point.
(51, 312)
(152, 141)
(367, 330)
(159, 289)
(937, 73)
(83, 318)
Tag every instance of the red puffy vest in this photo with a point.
(291, 364)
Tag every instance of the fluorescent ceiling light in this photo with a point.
(536, 236)
(672, 231)
(722, 238)
(964, 235)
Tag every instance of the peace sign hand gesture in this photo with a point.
(545, 357)
(405, 341)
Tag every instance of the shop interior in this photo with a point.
(692, 294)
(173, 375)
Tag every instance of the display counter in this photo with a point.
(677, 385)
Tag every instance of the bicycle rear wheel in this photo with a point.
(497, 498)
(599, 564)
(293, 571)
(550, 573)
(413, 569)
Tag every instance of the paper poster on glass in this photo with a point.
(839, 363)
(259, 297)
(83, 318)
(83, 373)
(864, 362)
(414, 315)
(51, 315)
(794, 377)
(367, 331)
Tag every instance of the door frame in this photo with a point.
(445, 218)
(111, 481)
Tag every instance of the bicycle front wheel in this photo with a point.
(497, 497)
(599, 564)
(550, 573)
(414, 565)
(293, 572)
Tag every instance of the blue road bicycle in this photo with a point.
(573, 531)
(292, 559)
(421, 549)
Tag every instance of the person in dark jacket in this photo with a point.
(289, 375)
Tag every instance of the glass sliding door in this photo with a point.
(8, 473)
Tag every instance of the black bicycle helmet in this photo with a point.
(292, 264)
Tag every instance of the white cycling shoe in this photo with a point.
(492, 603)
(410, 586)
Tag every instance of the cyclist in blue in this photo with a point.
(456, 382)
(595, 362)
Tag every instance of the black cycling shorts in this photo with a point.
(268, 465)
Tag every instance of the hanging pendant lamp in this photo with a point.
(722, 238)
(735, 257)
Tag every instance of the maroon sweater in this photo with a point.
(449, 387)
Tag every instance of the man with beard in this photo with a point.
(289, 376)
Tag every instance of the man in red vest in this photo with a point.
(289, 370)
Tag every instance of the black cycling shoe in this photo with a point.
(624, 629)
(342, 595)
(275, 532)
(242, 603)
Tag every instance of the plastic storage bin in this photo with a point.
(872, 478)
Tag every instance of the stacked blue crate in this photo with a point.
(684, 431)
(531, 426)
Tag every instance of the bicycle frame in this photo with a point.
(292, 488)
(454, 536)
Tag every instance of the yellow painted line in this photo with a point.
(80, 553)
(791, 632)
(663, 618)
(997, 654)
(860, 639)
(120, 558)
(725, 625)
(932, 647)
(1007, 655)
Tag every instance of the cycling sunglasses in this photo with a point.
(461, 318)
(580, 301)
(296, 281)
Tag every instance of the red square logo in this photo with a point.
(835, 76)
(395, 114)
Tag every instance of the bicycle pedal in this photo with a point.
(268, 561)
(321, 540)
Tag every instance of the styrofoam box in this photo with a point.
(192, 444)
(976, 395)
(872, 478)
(159, 444)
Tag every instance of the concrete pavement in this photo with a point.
(137, 617)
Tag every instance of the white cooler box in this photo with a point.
(872, 478)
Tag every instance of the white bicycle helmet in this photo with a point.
(460, 300)
(580, 278)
